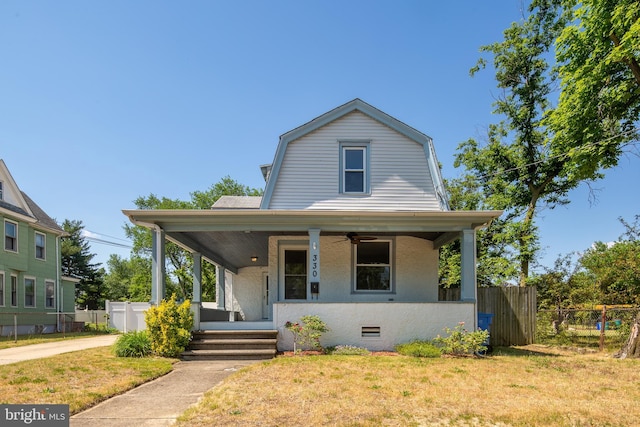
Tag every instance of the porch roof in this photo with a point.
(231, 237)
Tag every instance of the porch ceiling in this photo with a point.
(232, 237)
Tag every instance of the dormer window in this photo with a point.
(354, 162)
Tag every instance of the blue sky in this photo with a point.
(105, 101)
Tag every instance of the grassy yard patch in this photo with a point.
(533, 386)
(80, 379)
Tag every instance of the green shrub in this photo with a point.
(461, 342)
(133, 344)
(307, 332)
(169, 326)
(348, 350)
(419, 349)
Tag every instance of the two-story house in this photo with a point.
(34, 297)
(349, 226)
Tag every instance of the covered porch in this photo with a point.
(247, 247)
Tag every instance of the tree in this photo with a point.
(538, 153)
(76, 262)
(179, 278)
(494, 265)
(599, 106)
(520, 175)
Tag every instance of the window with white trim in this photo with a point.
(373, 263)
(40, 245)
(354, 167)
(14, 291)
(1, 191)
(49, 294)
(1, 288)
(29, 292)
(10, 236)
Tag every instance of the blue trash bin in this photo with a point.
(484, 323)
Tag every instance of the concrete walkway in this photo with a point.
(156, 403)
(38, 351)
(161, 401)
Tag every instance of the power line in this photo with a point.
(573, 151)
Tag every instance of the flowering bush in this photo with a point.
(169, 327)
(461, 342)
(348, 350)
(307, 332)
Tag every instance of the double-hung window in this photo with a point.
(10, 236)
(49, 294)
(14, 291)
(354, 167)
(373, 266)
(40, 245)
(29, 292)
(1, 288)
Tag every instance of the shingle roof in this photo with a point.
(40, 215)
(238, 202)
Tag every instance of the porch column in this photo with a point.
(229, 294)
(220, 285)
(468, 286)
(197, 290)
(314, 261)
(158, 289)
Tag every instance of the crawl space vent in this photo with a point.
(370, 331)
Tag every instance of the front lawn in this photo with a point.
(80, 379)
(532, 386)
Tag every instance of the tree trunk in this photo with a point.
(632, 347)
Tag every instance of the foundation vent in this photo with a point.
(370, 331)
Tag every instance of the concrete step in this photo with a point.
(232, 344)
(235, 354)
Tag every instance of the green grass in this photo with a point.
(80, 379)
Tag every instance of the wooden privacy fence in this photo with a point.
(513, 309)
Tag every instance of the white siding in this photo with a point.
(309, 176)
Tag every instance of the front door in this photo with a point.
(295, 274)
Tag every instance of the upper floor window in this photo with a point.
(29, 292)
(40, 245)
(1, 191)
(354, 162)
(49, 294)
(373, 266)
(11, 236)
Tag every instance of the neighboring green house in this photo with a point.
(33, 294)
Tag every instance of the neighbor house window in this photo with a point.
(40, 240)
(295, 274)
(373, 266)
(29, 292)
(11, 236)
(1, 191)
(14, 291)
(354, 161)
(49, 294)
(1, 288)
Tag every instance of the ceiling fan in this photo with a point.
(355, 238)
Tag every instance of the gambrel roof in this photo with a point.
(337, 113)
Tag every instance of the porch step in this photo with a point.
(228, 344)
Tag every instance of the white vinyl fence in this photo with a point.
(127, 316)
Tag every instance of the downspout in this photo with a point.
(58, 291)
